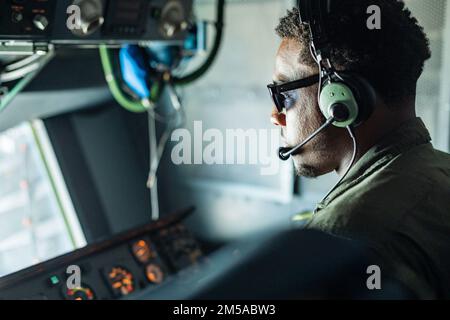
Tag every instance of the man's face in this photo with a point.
(302, 116)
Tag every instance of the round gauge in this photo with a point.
(121, 281)
(143, 251)
(154, 273)
(81, 293)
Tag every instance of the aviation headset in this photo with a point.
(346, 97)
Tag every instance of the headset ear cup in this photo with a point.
(338, 101)
(322, 106)
(364, 93)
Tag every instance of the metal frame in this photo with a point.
(57, 180)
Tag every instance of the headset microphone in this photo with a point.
(338, 115)
(286, 153)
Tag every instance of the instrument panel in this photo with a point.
(78, 22)
(140, 259)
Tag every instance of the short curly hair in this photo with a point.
(391, 59)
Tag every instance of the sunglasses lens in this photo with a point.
(279, 102)
(283, 100)
(275, 100)
(288, 96)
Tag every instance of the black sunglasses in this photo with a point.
(277, 90)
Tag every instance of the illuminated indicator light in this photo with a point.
(117, 285)
(154, 274)
(142, 250)
(54, 280)
(121, 280)
(81, 293)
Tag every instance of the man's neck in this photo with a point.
(382, 123)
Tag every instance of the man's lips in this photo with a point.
(285, 144)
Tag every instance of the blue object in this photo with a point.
(164, 54)
(196, 40)
(137, 63)
(135, 70)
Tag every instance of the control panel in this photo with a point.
(93, 21)
(22, 18)
(144, 258)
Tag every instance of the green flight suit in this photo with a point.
(396, 199)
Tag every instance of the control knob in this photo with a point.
(88, 17)
(172, 19)
(40, 22)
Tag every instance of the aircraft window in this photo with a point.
(38, 221)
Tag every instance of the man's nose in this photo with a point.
(278, 118)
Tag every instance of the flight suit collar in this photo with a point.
(410, 134)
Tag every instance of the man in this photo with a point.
(396, 197)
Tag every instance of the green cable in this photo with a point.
(137, 107)
(7, 99)
(132, 106)
(4, 102)
(154, 91)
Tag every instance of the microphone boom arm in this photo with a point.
(286, 153)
